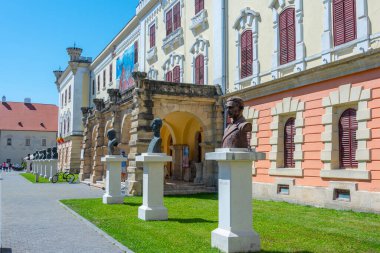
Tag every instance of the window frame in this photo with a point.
(287, 46)
(344, 40)
(290, 121)
(9, 141)
(173, 23)
(351, 138)
(27, 142)
(199, 69)
(246, 60)
(152, 35)
(42, 142)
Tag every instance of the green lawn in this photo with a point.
(32, 178)
(282, 227)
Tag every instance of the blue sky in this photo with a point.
(34, 35)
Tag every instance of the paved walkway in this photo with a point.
(33, 221)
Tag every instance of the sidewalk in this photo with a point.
(33, 221)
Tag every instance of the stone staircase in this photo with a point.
(184, 188)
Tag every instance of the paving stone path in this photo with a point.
(33, 221)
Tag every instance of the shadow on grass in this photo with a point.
(208, 196)
(192, 220)
(132, 204)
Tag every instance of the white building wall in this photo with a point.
(18, 149)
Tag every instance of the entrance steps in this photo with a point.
(184, 188)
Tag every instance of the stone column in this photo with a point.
(234, 232)
(113, 179)
(153, 186)
(97, 170)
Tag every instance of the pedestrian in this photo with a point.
(123, 167)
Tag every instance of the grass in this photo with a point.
(32, 178)
(282, 227)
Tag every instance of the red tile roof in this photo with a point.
(28, 117)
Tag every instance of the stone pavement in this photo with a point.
(33, 221)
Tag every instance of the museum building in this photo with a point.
(308, 71)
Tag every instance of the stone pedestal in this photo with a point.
(40, 168)
(113, 179)
(153, 186)
(28, 162)
(234, 232)
(53, 163)
(46, 168)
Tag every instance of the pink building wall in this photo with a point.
(312, 96)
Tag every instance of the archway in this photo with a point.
(181, 137)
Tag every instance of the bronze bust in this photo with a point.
(155, 143)
(236, 133)
(112, 141)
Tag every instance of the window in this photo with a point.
(152, 35)
(342, 194)
(246, 54)
(289, 147)
(347, 139)
(136, 47)
(98, 82)
(64, 126)
(9, 141)
(43, 142)
(62, 100)
(104, 78)
(344, 20)
(93, 87)
(169, 76)
(176, 74)
(111, 72)
(27, 142)
(69, 93)
(287, 36)
(68, 125)
(173, 19)
(283, 189)
(199, 69)
(199, 5)
(65, 97)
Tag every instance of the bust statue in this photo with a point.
(54, 153)
(48, 153)
(155, 143)
(44, 154)
(112, 141)
(236, 133)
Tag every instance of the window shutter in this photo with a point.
(347, 139)
(177, 16)
(344, 19)
(169, 22)
(93, 87)
(246, 54)
(289, 146)
(111, 73)
(176, 74)
(152, 36)
(169, 76)
(199, 69)
(287, 36)
(199, 5)
(136, 46)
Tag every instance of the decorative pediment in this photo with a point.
(246, 19)
(199, 46)
(174, 59)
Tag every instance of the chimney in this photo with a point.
(74, 53)
(27, 100)
(4, 99)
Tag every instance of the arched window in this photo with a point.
(344, 16)
(199, 69)
(68, 125)
(289, 133)
(287, 36)
(246, 54)
(347, 139)
(176, 74)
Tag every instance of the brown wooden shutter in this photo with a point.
(344, 21)
(169, 76)
(287, 36)
(177, 16)
(176, 74)
(289, 146)
(347, 139)
(199, 5)
(136, 46)
(169, 22)
(246, 54)
(152, 36)
(111, 73)
(199, 69)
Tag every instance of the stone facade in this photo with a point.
(131, 113)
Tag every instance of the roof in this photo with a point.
(18, 116)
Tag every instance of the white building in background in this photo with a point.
(25, 128)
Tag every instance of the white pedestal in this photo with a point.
(235, 232)
(45, 166)
(113, 179)
(41, 167)
(53, 168)
(28, 162)
(153, 186)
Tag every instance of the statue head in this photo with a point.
(156, 126)
(235, 107)
(112, 142)
(48, 153)
(111, 134)
(54, 153)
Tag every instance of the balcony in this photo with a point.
(151, 55)
(173, 40)
(199, 22)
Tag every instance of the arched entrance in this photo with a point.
(181, 138)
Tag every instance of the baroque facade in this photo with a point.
(274, 54)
